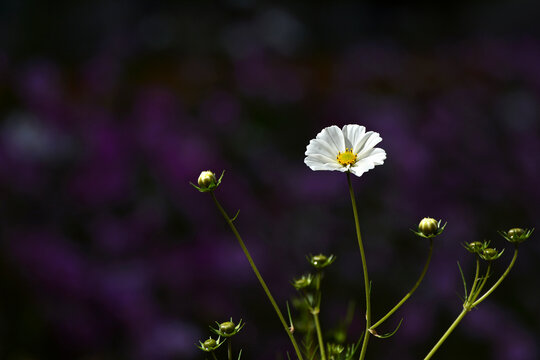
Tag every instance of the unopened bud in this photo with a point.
(206, 179)
(227, 327)
(428, 226)
(210, 343)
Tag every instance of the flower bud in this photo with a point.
(321, 261)
(490, 254)
(206, 179)
(515, 233)
(428, 226)
(303, 282)
(210, 343)
(475, 247)
(227, 327)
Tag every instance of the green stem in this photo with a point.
(364, 268)
(499, 281)
(472, 303)
(475, 282)
(447, 333)
(229, 348)
(214, 355)
(319, 333)
(258, 275)
(406, 297)
(473, 296)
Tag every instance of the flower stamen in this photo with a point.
(347, 157)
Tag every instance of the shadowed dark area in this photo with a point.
(108, 109)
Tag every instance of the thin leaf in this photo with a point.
(235, 216)
(463, 279)
(387, 335)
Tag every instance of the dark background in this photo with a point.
(108, 109)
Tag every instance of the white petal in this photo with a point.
(368, 142)
(372, 158)
(318, 146)
(334, 137)
(321, 159)
(376, 155)
(353, 135)
(362, 166)
(317, 165)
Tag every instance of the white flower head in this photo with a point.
(348, 149)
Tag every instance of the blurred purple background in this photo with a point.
(108, 109)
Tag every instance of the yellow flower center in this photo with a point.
(346, 158)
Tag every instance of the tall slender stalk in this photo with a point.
(258, 275)
(364, 268)
(447, 333)
(408, 295)
(319, 334)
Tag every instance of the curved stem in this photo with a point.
(498, 281)
(364, 268)
(447, 333)
(406, 297)
(258, 275)
(319, 333)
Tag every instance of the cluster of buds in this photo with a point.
(483, 250)
(207, 181)
(429, 228)
(228, 328)
(516, 235)
(320, 261)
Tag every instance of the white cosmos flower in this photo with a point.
(348, 149)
